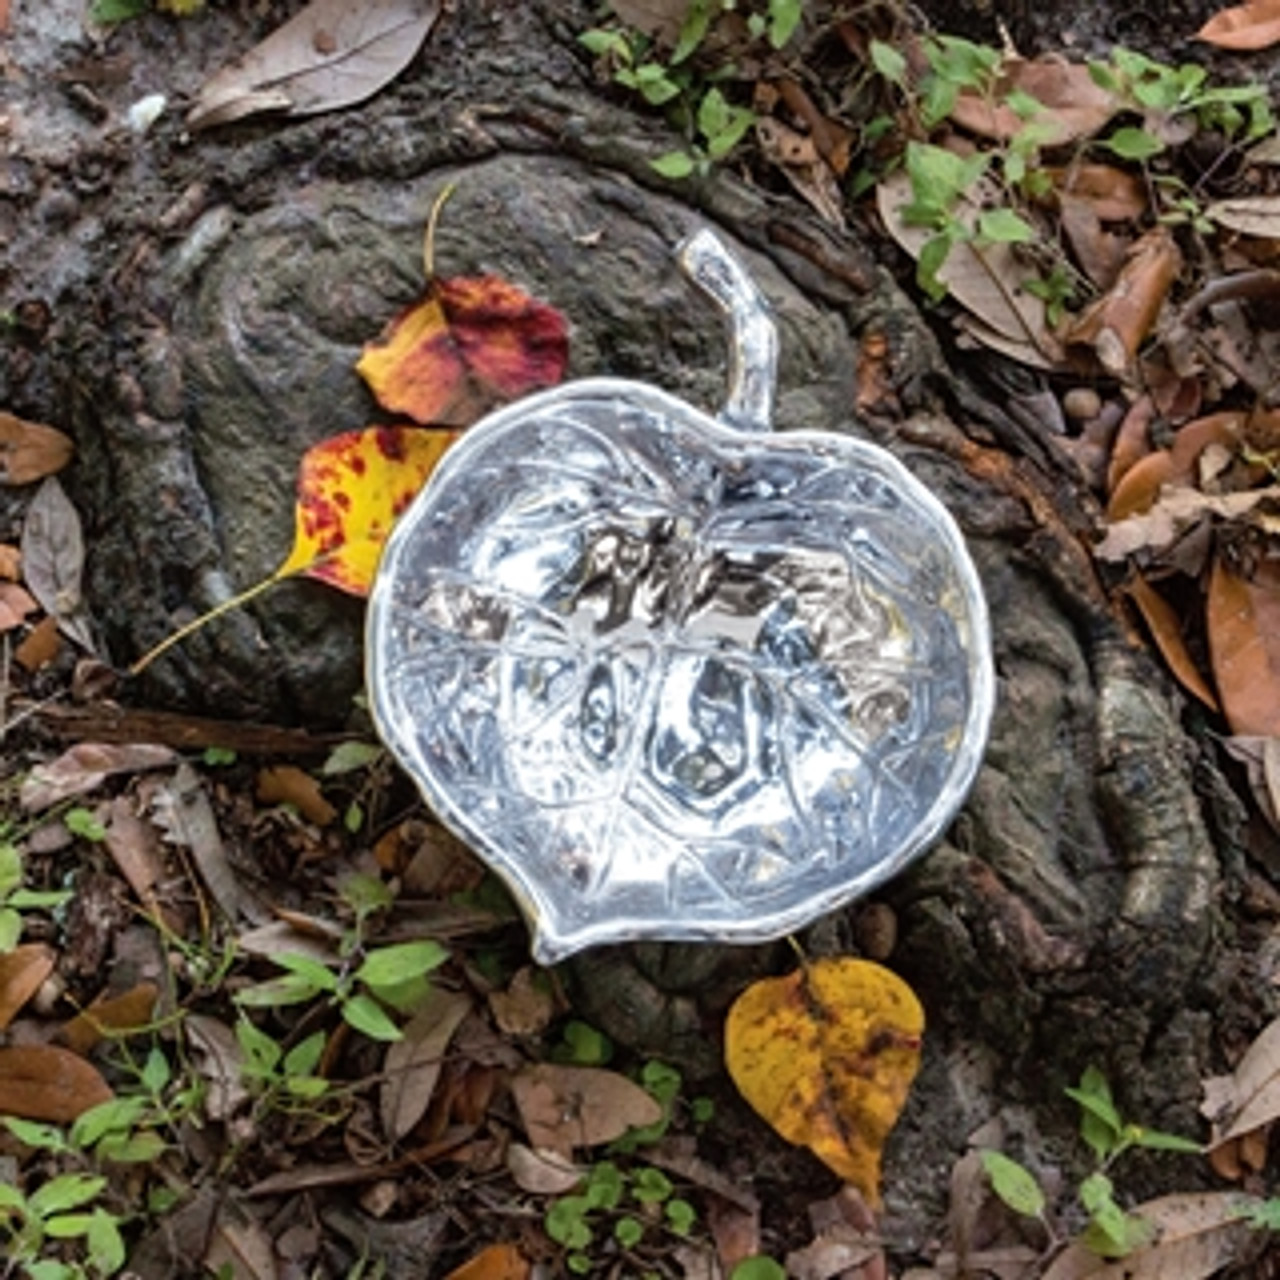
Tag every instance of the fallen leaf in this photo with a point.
(1250, 26)
(827, 1055)
(986, 279)
(796, 156)
(412, 1066)
(1166, 629)
(1261, 759)
(221, 1061)
(333, 54)
(30, 451)
(239, 1245)
(566, 1107)
(10, 562)
(45, 1082)
(1114, 195)
(541, 1173)
(129, 1011)
(470, 343)
(53, 560)
(1173, 514)
(22, 971)
(40, 646)
(134, 846)
(287, 784)
(1248, 1098)
(1248, 215)
(1196, 1234)
(181, 809)
(526, 1007)
(15, 604)
(351, 488)
(1073, 105)
(1243, 620)
(84, 767)
(497, 1262)
(1116, 324)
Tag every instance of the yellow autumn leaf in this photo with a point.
(827, 1055)
(351, 489)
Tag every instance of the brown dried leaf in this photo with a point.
(22, 971)
(287, 784)
(1249, 1097)
(53, 560)
(30, 451)
(542, 1173)
(1248, 215)
(1243, 619)
(1075, 107)
(1172, 515)
(1118, 322)
(1252, 25)
(129, 1011)
(82, 768)
(566, 1107)
(239, 1245)
(1197, 1233)
(221, 1060)
(1166, 629)
(1114, 195)
(40, 646)
(1261, 759)
(412, 1067)
(333, 54)
(527, 1005)
(15, 604)
(795, 155)
(134, 845)
(986, 280)
(45, 1082)
(10, 562)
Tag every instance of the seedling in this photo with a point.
(14, 899)
(1112, 1232)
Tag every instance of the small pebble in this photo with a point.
(876, 929)
(1080, 404)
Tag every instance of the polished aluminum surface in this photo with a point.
(673, 678)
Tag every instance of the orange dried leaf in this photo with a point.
(30, 451)
(470, 343)
(10, 562)
(287, 784)
(1255, 25)
(351, 489)
(497, 1262)
(45, 1082)
(40, 646)
(1166, 629)
(15, 604)
(130, 1011)
(22, 971)
(826, 1055)
(1244, 641)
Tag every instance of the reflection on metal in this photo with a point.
(673, 677)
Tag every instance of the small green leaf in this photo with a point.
(307, 1087)
(674, 164)
(604, 1186)
(933, 254)
(1131, 143)
(365, 894)
(261, 1053)
(681, 1216)
(39, 900)
(156, 1072)
(42, 1136)
(353, 817)
(107, 12)
(579, 1263)
(713, 113)
(68, 1226)
(628, 1232)
(290, 988)
(601, 42)
(1100, 1123)
(132, 1148)
(583, 1045)
(565, 1222)
(10, 868)
(106, 1246)
(1155, 1140)
(349, 756)
(81, 822)
(888, 61)
(214, 757)
(367, 1016)
(305, 1056)
(112, 1116)
(1014, 1184)
(10, 929)
(66, 1191)
(784, 18)
(758, 1268)
(1003, 226)
(702, 1109)
(315, 972)
(399, 963)
(651, 1186)
(693, 29)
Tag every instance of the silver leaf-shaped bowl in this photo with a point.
(674, 677)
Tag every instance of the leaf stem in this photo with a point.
(208, 616)
(429, 239)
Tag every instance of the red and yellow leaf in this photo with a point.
(827, 1055)
(470, 343)
(351, 489)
